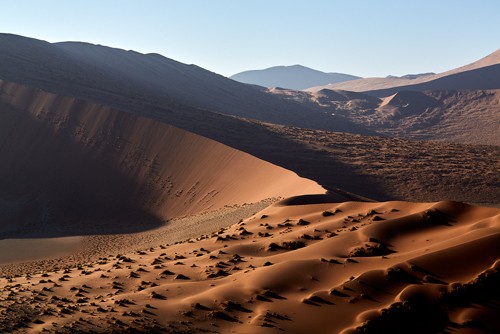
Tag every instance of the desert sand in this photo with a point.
(323, 268)
(295, 266)
(66, 162)
(13, 251)
(143, 195)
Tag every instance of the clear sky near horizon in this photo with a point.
(365, 38)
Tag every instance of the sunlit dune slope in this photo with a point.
(65, 160)
(392, 267)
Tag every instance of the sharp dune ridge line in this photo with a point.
(326, 268)
(65, 159)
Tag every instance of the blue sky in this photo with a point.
(365, 38)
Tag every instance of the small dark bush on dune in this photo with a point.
(286, 245)
(371, 249)
(292, 245)
(303, 222)
(327, 213)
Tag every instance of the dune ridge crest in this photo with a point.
(74, 160)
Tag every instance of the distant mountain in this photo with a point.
(292, 77)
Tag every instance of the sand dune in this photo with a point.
(322, 268)
(141, 226)
(149, 85)
(71, 166)
(347, 163)
(491, 59)
(481, 78)
(384, 85)
(416, 100)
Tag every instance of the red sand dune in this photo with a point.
(393, 267)
(68, 161)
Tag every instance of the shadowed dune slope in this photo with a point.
(392, 267)
(143, 83)
(65, 162)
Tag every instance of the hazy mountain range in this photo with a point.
(292, 77)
